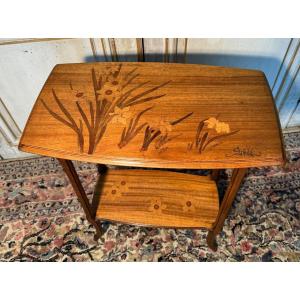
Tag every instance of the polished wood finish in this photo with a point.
(81, 195)
(156, 115)
(157, 198)
(235, 182)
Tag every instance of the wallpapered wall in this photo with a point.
(26, 63)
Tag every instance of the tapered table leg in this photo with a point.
(236, 180)
(77, 186)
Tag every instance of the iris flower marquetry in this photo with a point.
(160, 133)
(163, 126)
(209, 132)
(121, 115)
(114, 93)
(219, 127)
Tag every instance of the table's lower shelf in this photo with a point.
(157, 198)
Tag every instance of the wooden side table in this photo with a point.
(156, 115)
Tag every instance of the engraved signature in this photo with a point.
(245, 152)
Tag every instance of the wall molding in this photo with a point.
(8, 126)
(106, 49)
(22, 41)
(287, 96)
(286, 74)
(281, 66)
(93, 46)
(113, 49)
(175, 50)
(10, 134)
(140, 49)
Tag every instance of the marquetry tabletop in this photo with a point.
(156, 115)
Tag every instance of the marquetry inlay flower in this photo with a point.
(156, 206)
(109, 92)
(115, 192)
(121, 115)
(115, 82)
(163, 126)
(219, 127)
(113, 70)
(211, 122)
(117, 189)
(222, 127)
(188, 207)
(77, 94)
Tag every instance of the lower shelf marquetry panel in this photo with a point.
(157, 198)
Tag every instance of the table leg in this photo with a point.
(236, 180)
(102, 169)
(77, 186)
(215, 174)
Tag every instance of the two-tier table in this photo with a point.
(156, 115)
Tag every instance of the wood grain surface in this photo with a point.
(157, 198)
(156, 115)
